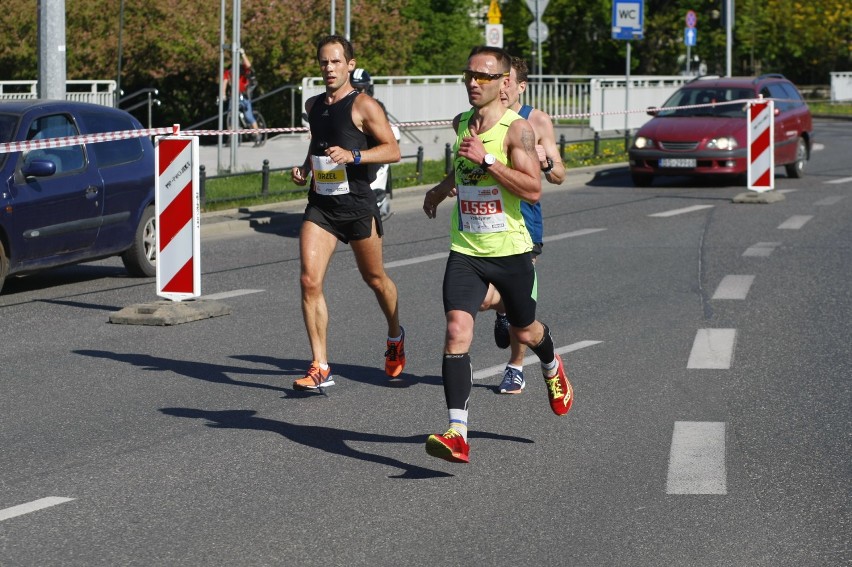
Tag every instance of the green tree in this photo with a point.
(446, 34)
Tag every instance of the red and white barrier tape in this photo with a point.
(174, 130)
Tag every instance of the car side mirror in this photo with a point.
(653, 111)
(39, 168)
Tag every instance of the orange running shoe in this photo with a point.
(315, 379)
(450, 446)
(395, 356)
(559, 390)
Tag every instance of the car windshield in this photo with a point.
(7, 126)
(707, 96)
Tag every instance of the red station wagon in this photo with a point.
(712, 140)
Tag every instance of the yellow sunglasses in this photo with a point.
(481, 78)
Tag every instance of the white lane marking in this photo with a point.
(33, 506)
(443, 255)
(697, 458)
(582, 232)
(733, 287)
(786, 190)
(828, 201)
(493, 370)
(417, 260)
(682, 211)
(795, 222)
(234, 293)
(818, 147)
(838, 181)
(761, 249)
(712, 348)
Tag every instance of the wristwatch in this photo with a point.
(488, 160)
(549, 167)
(356, 154)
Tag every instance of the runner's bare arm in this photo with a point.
(524, 177)
(543, 126)
(369, 117)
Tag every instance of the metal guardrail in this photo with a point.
(96, 92)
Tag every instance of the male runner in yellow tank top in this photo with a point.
(495, 168)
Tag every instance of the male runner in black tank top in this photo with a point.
(341, 204)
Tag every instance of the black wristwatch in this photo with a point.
(356, 154)
(549, 167)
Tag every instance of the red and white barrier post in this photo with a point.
(178, 217)
(761, 152)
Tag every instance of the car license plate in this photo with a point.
(677, 162)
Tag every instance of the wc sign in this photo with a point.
(628, 19)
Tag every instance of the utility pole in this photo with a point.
(51, 49)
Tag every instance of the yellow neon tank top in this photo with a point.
(487, 219)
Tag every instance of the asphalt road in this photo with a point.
(708, 343)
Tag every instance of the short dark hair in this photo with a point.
(521, 69)
(348, 50)
(502, 56)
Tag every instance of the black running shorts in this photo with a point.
(345, 225)
(466, 280)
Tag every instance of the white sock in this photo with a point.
(458, 422)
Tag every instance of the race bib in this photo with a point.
(481, 209)
(329, 177)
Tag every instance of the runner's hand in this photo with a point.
(299, 175)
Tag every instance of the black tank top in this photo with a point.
(332, 124)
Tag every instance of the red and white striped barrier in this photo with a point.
(761, 153)
(178, 217)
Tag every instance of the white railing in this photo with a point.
(841, 86)
(429, 98)
(96, 92)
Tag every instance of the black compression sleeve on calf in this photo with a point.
(458, 380)
(544, 350)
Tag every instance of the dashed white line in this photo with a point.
(712, 349)
(443, 255)
(697, 458)
(582, 232)
(417, 260)
(761, 249)
(828, 201)
(491, 371)
(684, 210)
(234, 293)
(33, 506)
(733, 287)
(838, 181)
(795, 222)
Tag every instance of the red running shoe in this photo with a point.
(559, 390)
(450, 446)
(395, 356)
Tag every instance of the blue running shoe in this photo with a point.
(513, 381)
(501, 331)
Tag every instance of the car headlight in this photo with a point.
(723, 143)
(642, 142)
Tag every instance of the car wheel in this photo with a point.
(642, 179)
(141, 258)
(796, 169)
(4, 265)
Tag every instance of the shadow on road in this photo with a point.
(328, 439)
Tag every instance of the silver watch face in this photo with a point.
(489, 160)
